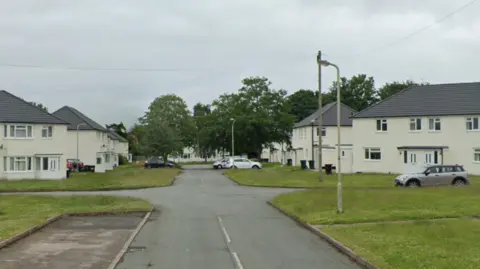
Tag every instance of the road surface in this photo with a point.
(208, 222)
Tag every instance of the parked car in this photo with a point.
(218, 164)
(75, 165)
(244, 163)
(433, 176)
(158, 163)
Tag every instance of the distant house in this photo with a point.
(421, 125)
(93, 141)
(118, 145)
(33, 141)
(303, 145)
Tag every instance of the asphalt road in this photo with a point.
(205, 221)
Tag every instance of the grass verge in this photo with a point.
(20, 212)
(441, 244)
(362, 205)
(296, 178)
(128, 177)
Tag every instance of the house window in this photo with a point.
(373, 154)
(415, 124)
(434, 124)
(18, 164)
(107, 158)
(382, 125)
(99, 160)
(47, 131)
(324, 131)
(38, 163)
(472, 124)
(20, 131)
(476, 155)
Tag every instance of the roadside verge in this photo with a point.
(336, 244)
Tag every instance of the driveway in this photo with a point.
(205, 221)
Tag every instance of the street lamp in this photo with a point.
(233, 136)
(339, 171)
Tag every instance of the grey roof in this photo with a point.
(75, 117)
(428, 100)
(329, 116)
(14, 109)
(114, 136)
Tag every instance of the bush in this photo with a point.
(122, 160)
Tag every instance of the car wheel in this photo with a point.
(256, 167)
(459, 182)
(215, 167)
(413, 184)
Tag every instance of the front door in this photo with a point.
(54, 164)
(431, 158)
(412, 164)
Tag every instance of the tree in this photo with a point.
(303, 103)
(119, 128)
(395, 87)
(262, 116)
(205, 143)
(357, 92)
(39, 105)
(168, 125)
(134, 136)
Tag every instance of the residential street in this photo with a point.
(207, 222)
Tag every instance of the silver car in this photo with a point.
(433, 176)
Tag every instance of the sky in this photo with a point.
(111, 58)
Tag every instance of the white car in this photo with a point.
(218, 164)
(244, 163)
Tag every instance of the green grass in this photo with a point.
(123, 177)
(363, 205)
(448, 244)
(18, 213)
(295, 177)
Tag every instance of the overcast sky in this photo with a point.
(201, 49)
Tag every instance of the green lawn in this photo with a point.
(295, 177)
(20, 212)
(128, 177)
(448, 244)
(363, 205)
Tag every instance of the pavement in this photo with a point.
(205, 221)
(72, 242)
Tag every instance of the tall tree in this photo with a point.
(303, 103)
(119, 128)
(358, 92)
(168, 117)
(205, 139)
(262, 116)
(134, 136)
(395, 87)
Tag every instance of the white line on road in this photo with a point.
(227, 237)
(236, 259)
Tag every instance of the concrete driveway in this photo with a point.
(205, 221)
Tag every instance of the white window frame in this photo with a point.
(416, 123)
(12, 163)
(470, 124)
(476, 155)
(10, 131)
(383, 125)
(47, 131)
(369, 151)
(434, 121)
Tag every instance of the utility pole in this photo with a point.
(320, 117)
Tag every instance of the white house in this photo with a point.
(278, 153)
(33, 141)
(421, 125)
(87, 140)
(306, 132)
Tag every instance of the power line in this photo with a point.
(97, 68)
(421, 30)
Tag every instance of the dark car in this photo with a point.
(158, 163)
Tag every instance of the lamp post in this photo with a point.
(339, 171)
(233, 136)
(78, 127)
(320, 116)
